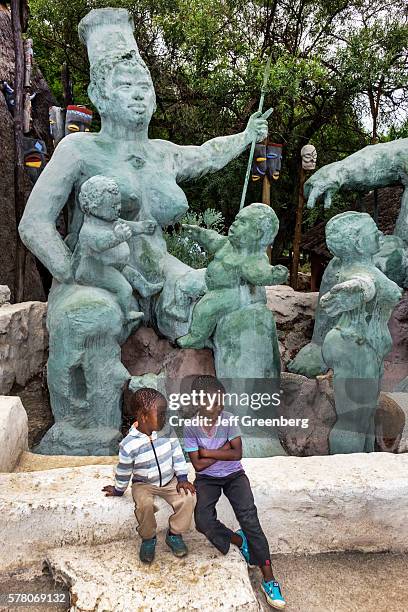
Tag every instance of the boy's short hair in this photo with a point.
(142, 401)
(207, 383)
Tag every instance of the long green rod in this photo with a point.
(265, 115)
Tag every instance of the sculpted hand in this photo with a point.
(122, 231)
(257, 127)
(148, 227)
(280, 274)
(190, 229)
(322, 183)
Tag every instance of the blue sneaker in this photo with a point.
(177, 545)
(147, 550)
(273, 594)
(244, 550)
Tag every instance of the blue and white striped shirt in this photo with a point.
(153, 460)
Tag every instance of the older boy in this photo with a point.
(155, 461)
(215, 450)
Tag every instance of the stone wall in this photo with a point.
(23, 343)
(306, 505)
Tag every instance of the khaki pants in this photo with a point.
(182, 504)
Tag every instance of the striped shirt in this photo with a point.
(153, 460)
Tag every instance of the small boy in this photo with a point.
(215, 449)
(239, 260)
(155, 461)
(102, 254)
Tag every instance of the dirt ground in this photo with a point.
(340, 582)
(337, 582)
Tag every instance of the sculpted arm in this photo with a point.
(48, 197)
(210, 240)
(195, 161)
(258, 271)
(348, 295)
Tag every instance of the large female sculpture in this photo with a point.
(361, 300)
(86, 324)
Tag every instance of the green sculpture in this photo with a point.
(374, 166)
(240, 262)
(101, 256)
(86, 322)
(361, 300)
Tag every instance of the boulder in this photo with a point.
(145, 353)
(311, 504)
(294, 313)
(4, 295)
(107, 577)
(23, 343)
(13, 432)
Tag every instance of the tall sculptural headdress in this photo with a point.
(108, 36)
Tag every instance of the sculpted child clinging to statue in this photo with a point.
(239, 260)
(101, 256)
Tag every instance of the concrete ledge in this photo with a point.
(306, 505)
(106, 577)
(13, 432)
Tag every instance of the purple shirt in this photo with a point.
(225, 429)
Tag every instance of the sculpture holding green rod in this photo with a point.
(265, 115)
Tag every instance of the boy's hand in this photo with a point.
(186, 486)
(205, 453)
(109, 491)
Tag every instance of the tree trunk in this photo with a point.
(298, 232)
(19, 174)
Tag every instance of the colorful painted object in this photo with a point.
(35, 157)
(274, 160)
(57, 123)
(77, 119)
(259, 162)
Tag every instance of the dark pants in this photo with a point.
(238, 491)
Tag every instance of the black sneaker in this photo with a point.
(147, 550)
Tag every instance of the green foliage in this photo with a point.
(183, 247)
(337, 67)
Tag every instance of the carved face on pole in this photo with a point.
(77, 119)
(309, 157)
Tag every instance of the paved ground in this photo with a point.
(341, 582)
(317, 583)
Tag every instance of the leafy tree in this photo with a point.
(207, 59)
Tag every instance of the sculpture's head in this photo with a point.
(352, 234)
(255, 227)
(100, 197)
(121, 86)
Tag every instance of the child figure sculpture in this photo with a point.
(101, 257)
(239, 260)
(356, 347)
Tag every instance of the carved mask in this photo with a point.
(77, 119)
(274, 160)
(35, 157)
(309, 157)
(57, 128)
(259, 162)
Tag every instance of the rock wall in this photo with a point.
(294, 316)
(23, 343)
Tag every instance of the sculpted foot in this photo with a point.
(147, 289)
(191, 341)
(134, 315)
